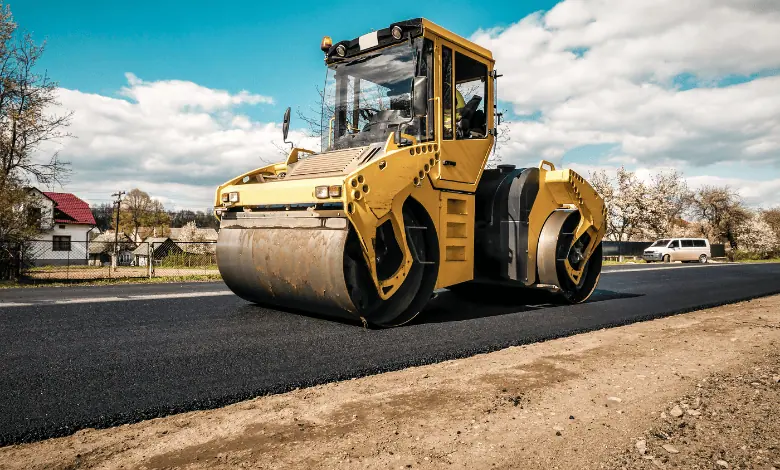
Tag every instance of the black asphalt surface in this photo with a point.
(50, 294)
(67, 367)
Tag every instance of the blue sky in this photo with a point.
(270, 48)
(691, 86)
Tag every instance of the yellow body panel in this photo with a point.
(456, 238)
(376, 193)
(466, 158)
(277, 192)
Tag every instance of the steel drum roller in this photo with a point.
(296, 264)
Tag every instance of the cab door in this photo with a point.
(465, 91)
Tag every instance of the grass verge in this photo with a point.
(108, 282)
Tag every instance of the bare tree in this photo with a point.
(772, 218)
(26, 118)
(723, 212)
(668, 199)
(104, 215)
(316, 115)
(626, 198)
(758, 237)
(194, 238)
(16, 223)
(140, 210)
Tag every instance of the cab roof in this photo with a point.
(457, 39)
(410, 29)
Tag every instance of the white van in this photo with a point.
(678, 249)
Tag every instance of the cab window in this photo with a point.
(470, 94)
(675, 244)
(425, 69)
(446, 91)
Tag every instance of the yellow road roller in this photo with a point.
(398, 202)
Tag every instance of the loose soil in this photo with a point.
(700, 390)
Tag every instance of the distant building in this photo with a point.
(158, 247)
(66, 222)
(102, 247)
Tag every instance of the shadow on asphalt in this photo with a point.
(448, 306)
(487, 302)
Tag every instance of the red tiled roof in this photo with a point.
(72, 207)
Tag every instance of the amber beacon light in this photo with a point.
(326, 43)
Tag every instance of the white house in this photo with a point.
(66, 222)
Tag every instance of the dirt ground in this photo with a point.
(700, 390)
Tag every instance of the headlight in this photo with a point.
(224, 197)
(396, 32)
(324, 192)
(321, 192)
(233, 197)
(341, 51)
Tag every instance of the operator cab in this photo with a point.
(418, 82)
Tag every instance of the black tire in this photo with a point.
(409, 300)
(703, 259)
(576, 294)
(667, 259)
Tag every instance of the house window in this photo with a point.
(60, 243)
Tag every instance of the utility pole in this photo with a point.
(118, 202)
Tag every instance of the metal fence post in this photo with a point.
(18, 262)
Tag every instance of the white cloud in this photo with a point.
(609, 72)
(174, 139)
(181, 95)
(755, 193)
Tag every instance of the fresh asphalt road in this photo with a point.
(80, 357)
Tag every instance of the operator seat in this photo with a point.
(472, 120)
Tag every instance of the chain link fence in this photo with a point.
(62, 259)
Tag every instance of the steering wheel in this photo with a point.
(368, 113)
